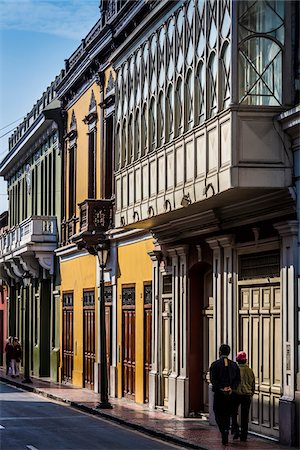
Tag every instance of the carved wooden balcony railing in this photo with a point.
(68, 230)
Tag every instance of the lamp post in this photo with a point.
(102, 249)
(26, 373)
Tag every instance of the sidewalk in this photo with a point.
(189, 432)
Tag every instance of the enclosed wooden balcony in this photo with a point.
(95, 218)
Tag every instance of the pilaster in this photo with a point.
(289, 314)
(182, 400)
(154, 385)
(175, 330)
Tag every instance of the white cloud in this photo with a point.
(67, 18)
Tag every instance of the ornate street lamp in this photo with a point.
(26, 372)
(102, 251)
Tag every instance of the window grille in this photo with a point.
(259, 265)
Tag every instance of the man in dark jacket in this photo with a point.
(224, 377)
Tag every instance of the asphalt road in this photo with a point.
(30, 422)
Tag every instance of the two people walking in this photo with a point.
(233, 385)
(13, 352)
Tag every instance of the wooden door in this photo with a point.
(88, 339)
(260, 337)
(147, 338)
(128, 341)
(67, 350)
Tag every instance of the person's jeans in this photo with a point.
(223, 406)
(245, 402)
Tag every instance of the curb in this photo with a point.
(93, 411)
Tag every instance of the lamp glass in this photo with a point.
(102, 255)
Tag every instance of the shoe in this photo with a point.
(224, 438)
(236, 435)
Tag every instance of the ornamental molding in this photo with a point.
(46, 260)
(30, 264)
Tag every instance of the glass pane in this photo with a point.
(260, 72)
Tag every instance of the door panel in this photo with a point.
(128, 341)
(88, 347)
(260, 337)
(68, 352)
(147, 338)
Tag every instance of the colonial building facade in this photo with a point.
(180, 150)
(201, 162)
(32, 168)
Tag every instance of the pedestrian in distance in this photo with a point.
(17, 356)
(224, 377)
(242, 398)
(9, 349)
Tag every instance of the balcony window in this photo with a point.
(160, 119)
(152, 125)
(169, 113)
(200, 85)
(179, 107)
(212, 85)
(261, 40)
(225, 76)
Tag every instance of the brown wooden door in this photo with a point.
(108, 327)
(147, 338)
(88, 339)
(67, 351)
(128, 341)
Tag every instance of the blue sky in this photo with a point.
(35, 38)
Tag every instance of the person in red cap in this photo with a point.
(242, 397)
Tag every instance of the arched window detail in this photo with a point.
(130, 83)
(200, 85)
(179, 107)
(169, 114)
(152, 140)
(189, 33)
(189, 97)
(161, 58)
(137, 135)
(130, 140)
(144, 131)
(212, 85)
(179, 42)
(160, 120)
(125, 85)
(225, 76)
(123, 146)
(170, 50)
(152, 64)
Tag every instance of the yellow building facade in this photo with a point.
(134, 317)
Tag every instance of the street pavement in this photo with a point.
(29, 421)
(185, 432)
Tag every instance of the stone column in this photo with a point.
(175, 330)
(217, 291)
(154, 379)
(182, 397)
(228, 300)
(223, 297)
(289, 311)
